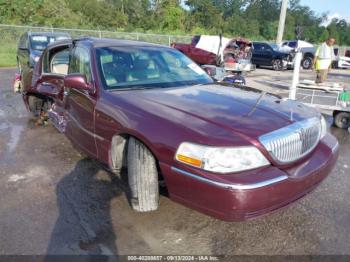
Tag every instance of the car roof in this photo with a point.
(47, 34)
(104, 42)
(108, 42)
(261, 43)
(62, 42)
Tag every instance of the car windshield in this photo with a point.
(40, 42)
(147, 67)
(274, 47)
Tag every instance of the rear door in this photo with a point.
(48, 78)
(80, 104)
(257, 57)
(266, 54)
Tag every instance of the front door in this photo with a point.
(23, 62)
(80, 104)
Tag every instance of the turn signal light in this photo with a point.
(189, 160)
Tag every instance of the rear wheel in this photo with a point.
(142, 177)
(342, 120)
(36, 105)
(277, 65)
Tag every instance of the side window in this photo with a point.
(266, 47)
(195, 39)
(56, 61)
(45, 61)
(59, 62)
(80, 62)
(22, 41)
(257, 47)
(292, 44)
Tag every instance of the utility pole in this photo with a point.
(283, 14)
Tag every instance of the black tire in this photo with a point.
(342, 120)
(335, 65)
(35, 105)
(142, 177)
(306, 63)
(277, 65)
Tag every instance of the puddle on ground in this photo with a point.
(15, 135)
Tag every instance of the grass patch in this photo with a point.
(8, 54)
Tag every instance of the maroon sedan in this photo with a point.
(231, 153)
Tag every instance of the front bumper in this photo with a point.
(246, 195)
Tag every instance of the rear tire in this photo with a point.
(342, 120)
(35, 105)
(142, 177)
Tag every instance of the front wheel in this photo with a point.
(142, 177)
(306, 63)
(277, 65)
(342, 120)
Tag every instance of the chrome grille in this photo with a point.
(291, 143)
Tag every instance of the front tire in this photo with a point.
(277, 65)
(306, 63)
(342, 120)
(142, 177)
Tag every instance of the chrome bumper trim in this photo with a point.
(335, 147)
(231, 186)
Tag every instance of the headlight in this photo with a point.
(221, 159)
(324, 127)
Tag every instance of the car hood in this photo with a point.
(247, 112)
(282, 52)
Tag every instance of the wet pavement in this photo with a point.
(55, 201)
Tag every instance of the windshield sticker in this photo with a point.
(39, 38)
(196, 69)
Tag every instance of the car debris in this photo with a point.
(221, 75)
(232, 54)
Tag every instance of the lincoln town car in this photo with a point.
(232, 153)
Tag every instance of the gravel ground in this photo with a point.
(55, 201)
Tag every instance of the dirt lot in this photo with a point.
(54, 201)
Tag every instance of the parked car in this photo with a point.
(232, 54)
(30, 47)
(266, 54)
(306, 48)
(347, 53)
(232, 153)
(340, 60)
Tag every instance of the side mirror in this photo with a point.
(77, 81)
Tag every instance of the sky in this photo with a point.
(335, 8)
